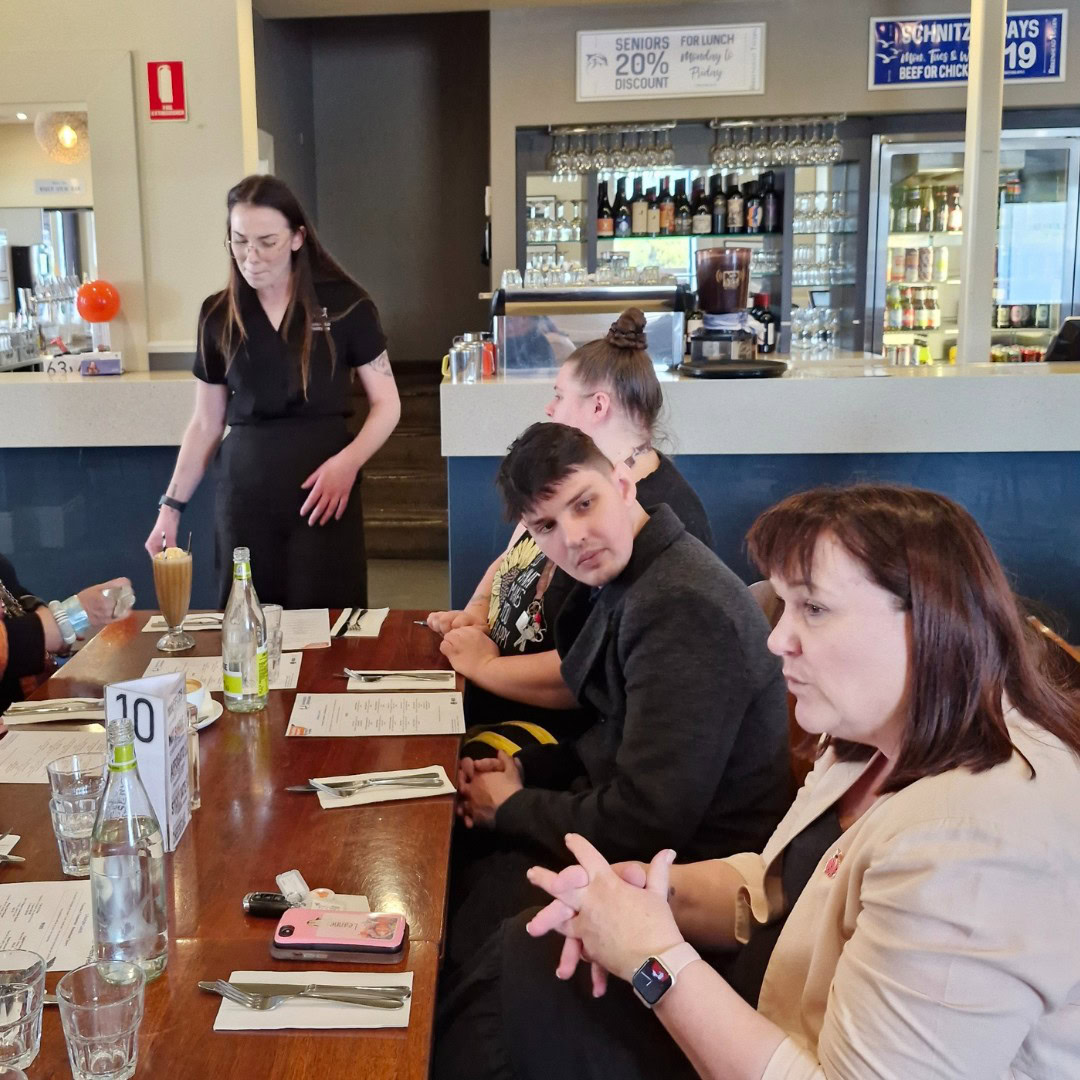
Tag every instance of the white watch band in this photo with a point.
(678, 957)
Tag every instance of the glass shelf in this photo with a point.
(690, 236)
(826, 232)
(926, 239)
(557, 243)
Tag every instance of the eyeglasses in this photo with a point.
(264, 245)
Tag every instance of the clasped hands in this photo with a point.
(612, 917)
(484, 784)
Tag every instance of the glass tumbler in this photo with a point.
(101, 1006)
(22, 988)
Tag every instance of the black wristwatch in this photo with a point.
(657, 975)
(172, 504)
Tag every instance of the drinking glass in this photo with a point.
(272, 615)
(778, 148)
(834, 148)
(172, 582)
(7, 1072)
(582, 159)
(796, 145)
(101, 1006)
(716, 155)
(637, 151)
(77, 775)
(667, 151)
(743, 152)
(601, 155)
(73, 825)
(812, 151)
(194, 764)
(511, 279)
(761, 151)
(554, 157)
(653, 157)
(22, 987)
(620, 154)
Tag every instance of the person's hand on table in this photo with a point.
(468, 648)
(484, 784)
(167, 522)
(612, 916)
(331, 485)
(98, 607)
(442, 622)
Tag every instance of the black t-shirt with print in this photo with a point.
(528, 593)
(264, 377)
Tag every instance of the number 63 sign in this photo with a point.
(157, 708)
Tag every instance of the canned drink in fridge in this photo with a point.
(952, 354)
(896, 264)
(926, 263)
(1012, 354)
(903, 355)
(1030, 355)
(998, 354)
(911, 264)
(891, 354)
(941, 263)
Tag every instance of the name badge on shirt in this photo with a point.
(322, 325)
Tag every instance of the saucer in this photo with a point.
(214, 709)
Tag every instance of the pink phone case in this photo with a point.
(346, 936)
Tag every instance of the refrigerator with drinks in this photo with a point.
(916, 233)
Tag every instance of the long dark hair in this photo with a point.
(311, 263)
(620, 363)
(969, 641)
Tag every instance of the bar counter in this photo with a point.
(1002, 439)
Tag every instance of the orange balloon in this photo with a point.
(97, 301)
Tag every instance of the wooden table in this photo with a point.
(247, 831)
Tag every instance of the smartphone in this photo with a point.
(350, 937)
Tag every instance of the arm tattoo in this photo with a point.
(381, 364)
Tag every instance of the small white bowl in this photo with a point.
(196, 693)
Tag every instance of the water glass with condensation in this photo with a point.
(101, 1007)
(22, 989)
(78, 775)
(272, 615)
(7, 1072)
(73, 827)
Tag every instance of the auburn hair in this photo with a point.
(311, 264)
(970, 644)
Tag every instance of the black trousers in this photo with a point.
(260, 470)
(508, 1016)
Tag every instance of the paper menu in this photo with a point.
(305, 628)
(376, 714)
(207, 669)
(24, 754)
(51, 918)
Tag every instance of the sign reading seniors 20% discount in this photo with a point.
(665, 62)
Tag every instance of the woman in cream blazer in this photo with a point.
(937, 937)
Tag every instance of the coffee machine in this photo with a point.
(726, 345)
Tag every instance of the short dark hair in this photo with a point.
(540, 459)
(969, 642)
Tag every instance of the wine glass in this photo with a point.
(667, 151)
(716, 155)
(743, 152)
(581, 156)
(652, 153)
(762, 152)
(778, 148)
(552, 160)
(834, 148)
(620, 154)
(796, 145)
(601, 155)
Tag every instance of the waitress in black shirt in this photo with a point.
(277, 350)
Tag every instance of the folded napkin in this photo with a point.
(197, 620)
(7, 845)
(384, 792)
(310, 1012)
(447, 681)
(370, 624)
(24, 713)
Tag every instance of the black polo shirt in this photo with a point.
(264, 379)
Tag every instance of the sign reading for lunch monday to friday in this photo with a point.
(668, 62)
(932, 50)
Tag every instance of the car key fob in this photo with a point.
(268, 904)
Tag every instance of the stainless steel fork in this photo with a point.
(264, 1002)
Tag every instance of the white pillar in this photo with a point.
(982, 141)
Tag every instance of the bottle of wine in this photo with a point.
(754, 212)
(620, 208)
(770, 202)
(243, 641)
(736, 207)
(701, 209)
(605, 219)
(127, 864)
(683, 215)
(719, 204)
(667, 209)
(653, 215)
(763, 313)
(639, 211)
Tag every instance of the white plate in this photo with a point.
(214, 709)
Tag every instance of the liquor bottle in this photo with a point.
(719, 204)
(243, 642)
(894, 319)
(907, 310)
(701, 209)
(127, 864)
(683, 216)
(919, 317)
(653, 215)
(913, 204)
(754, 211)
(932, 310)
(639, 211)
(770, 202)
(736, 207)
(620, 208)
(898, 211)
(1001, 317)
(956, 213)
(763, 313)
(926, 208)
(605, 219)
(941, 210)
(667, 209)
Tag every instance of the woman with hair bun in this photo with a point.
(502, 640)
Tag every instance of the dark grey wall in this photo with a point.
(283, 95)
(401, 122)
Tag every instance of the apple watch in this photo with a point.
(657, 975)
